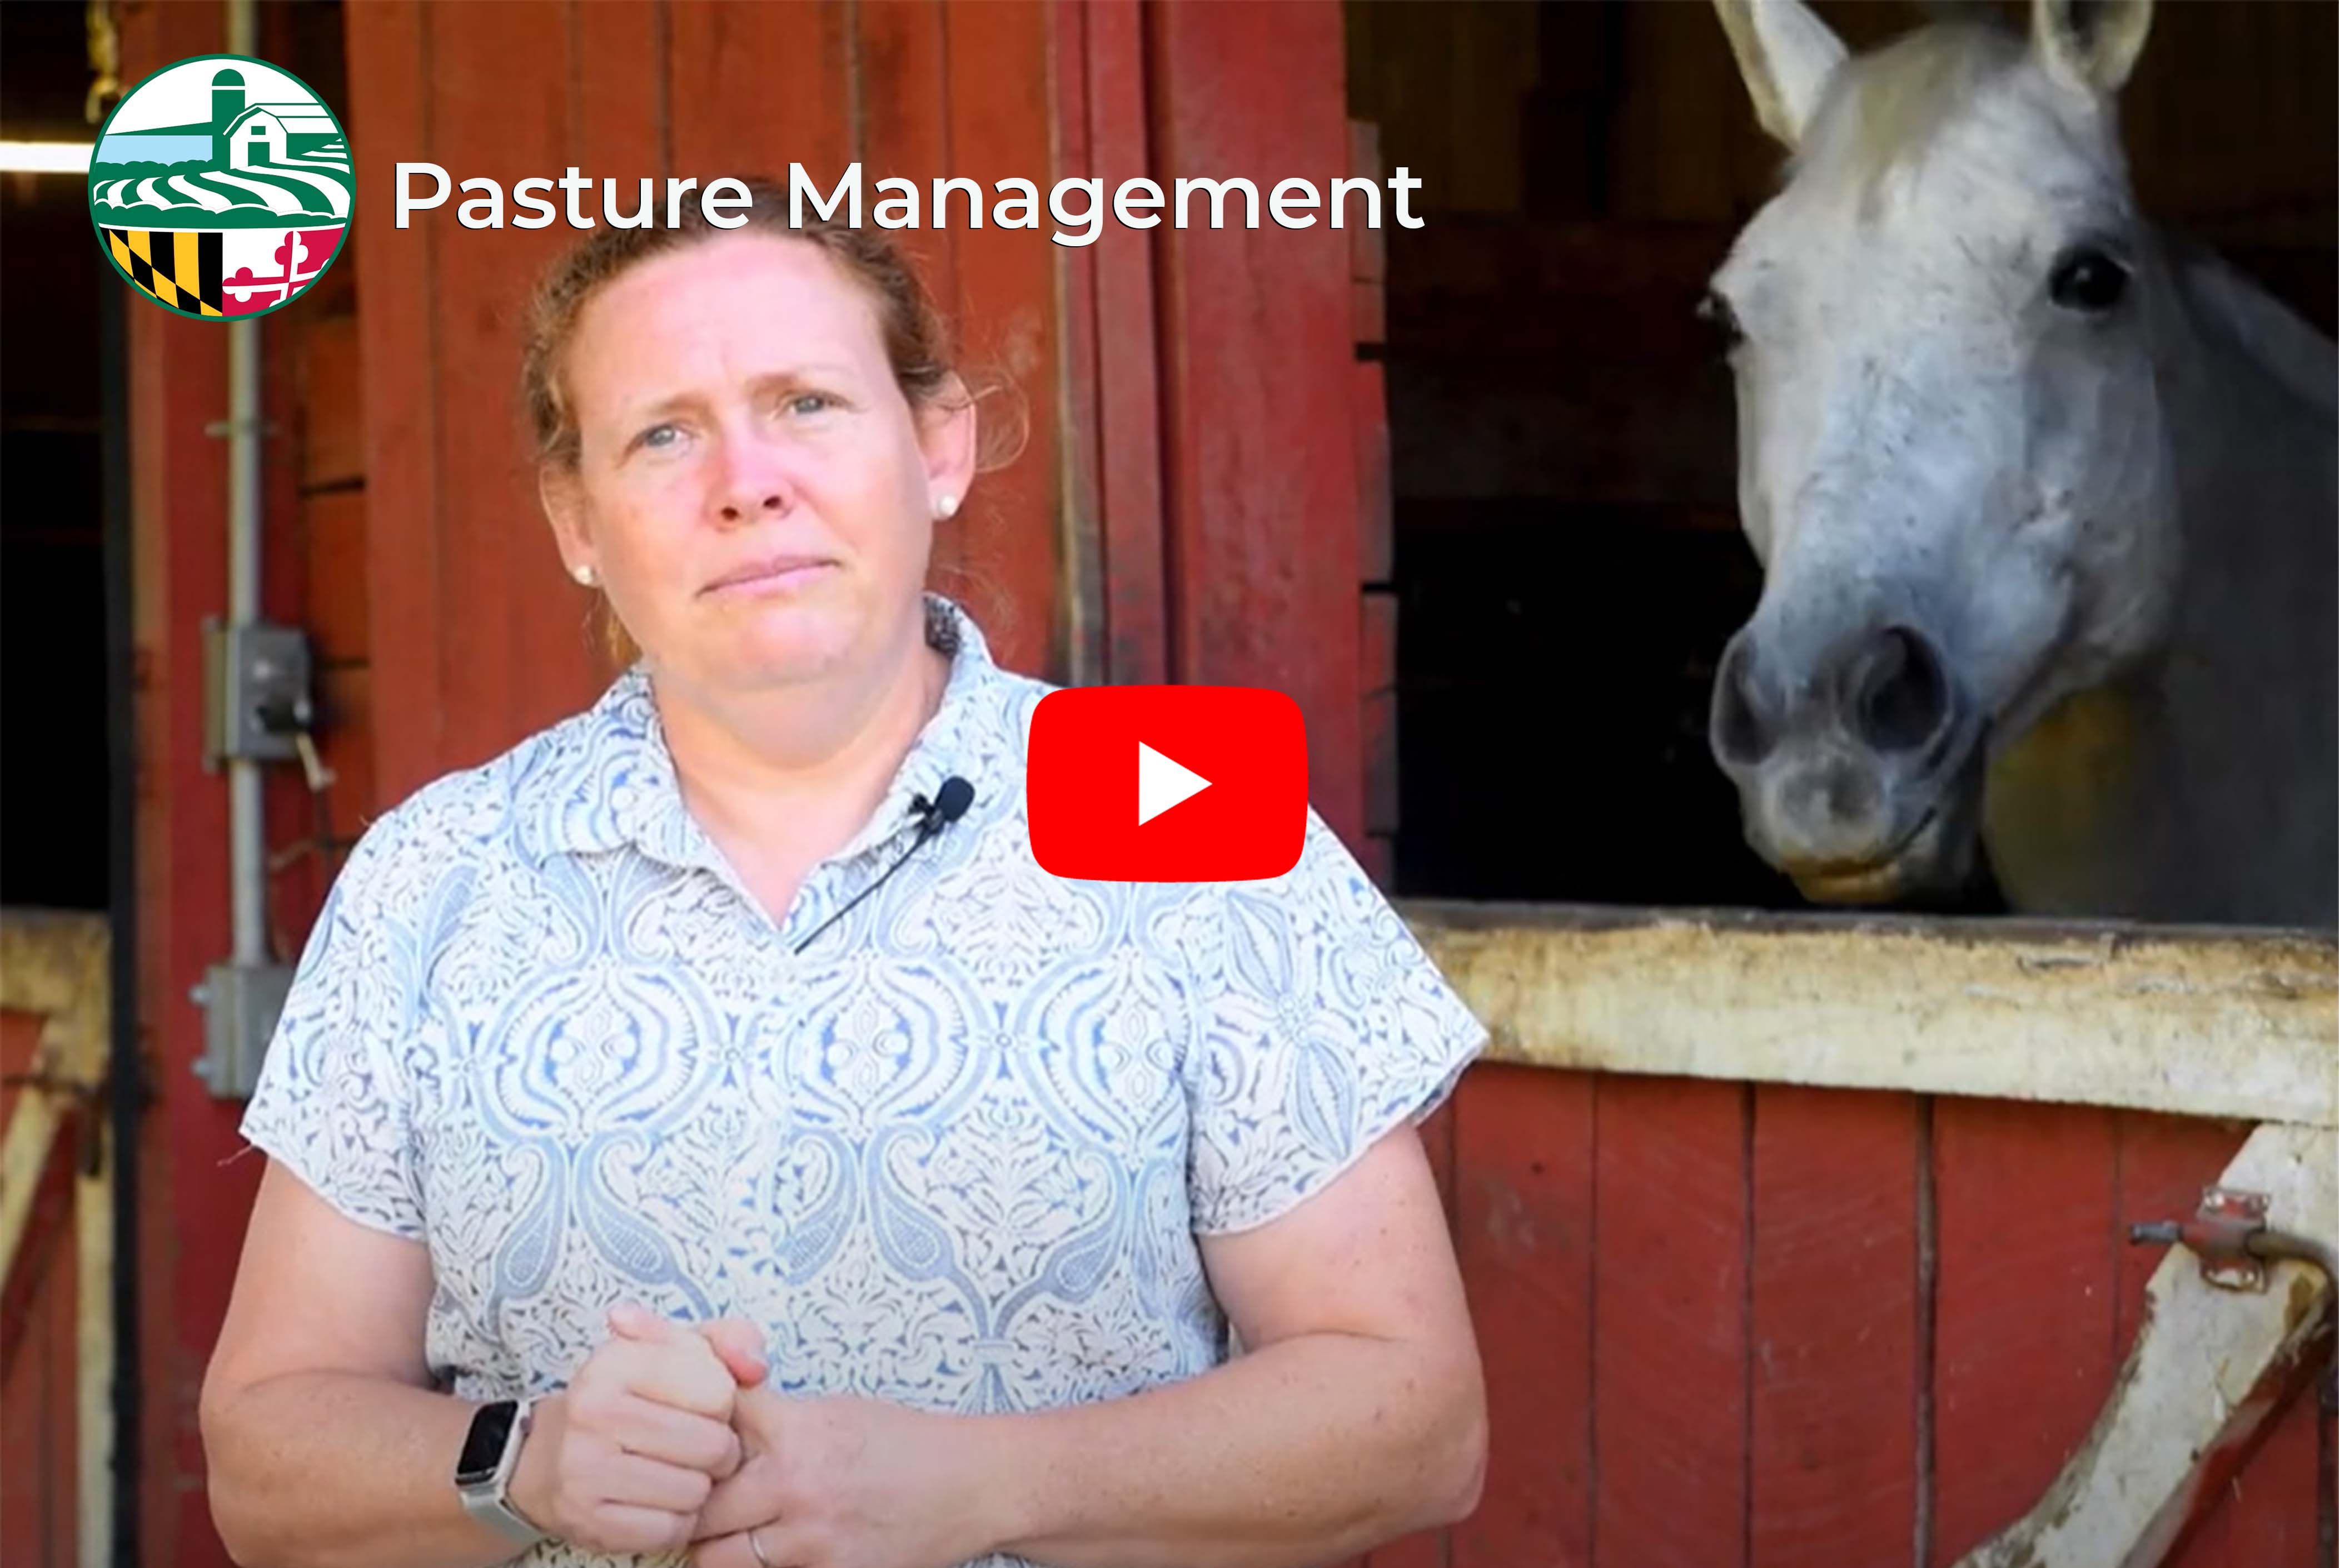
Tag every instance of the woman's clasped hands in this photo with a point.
(667, 1438)
(624, 1458)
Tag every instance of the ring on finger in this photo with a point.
(757, 1547)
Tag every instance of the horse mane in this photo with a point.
(1889, 105)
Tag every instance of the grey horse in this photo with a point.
(2043, 499)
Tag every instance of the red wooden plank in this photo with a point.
(1523, 1231)
(399, 339)
(1005, 301)
(1121, 371)
(2024, 1307)
(755, 88)
(1671, 1316)
(2268, 1513)
(330, 401)
(346, 718)
(618, 113)
(1259, 453)
(335, 530)
(1833, 1465)
(902, 53)
(1084, 609)
(516, 657)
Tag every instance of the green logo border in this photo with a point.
(98, 229)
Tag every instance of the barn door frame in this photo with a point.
(1226, 456)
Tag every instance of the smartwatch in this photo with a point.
(484, 1474)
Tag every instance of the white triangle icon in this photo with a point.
(1161, 783)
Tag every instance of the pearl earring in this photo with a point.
(946, 504)
(583, 575)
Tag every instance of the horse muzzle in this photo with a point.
(1859, 777)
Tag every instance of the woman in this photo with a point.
(636, 1150)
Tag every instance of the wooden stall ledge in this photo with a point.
(2227, 1023)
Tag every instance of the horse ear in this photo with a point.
(2090, 45)
(1785, 56)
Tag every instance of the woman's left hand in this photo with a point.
(847, 1482)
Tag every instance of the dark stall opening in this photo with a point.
(52, 612)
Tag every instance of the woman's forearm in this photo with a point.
(1311, 1449)
(338, 1470)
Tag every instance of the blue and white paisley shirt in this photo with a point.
(956, 1154)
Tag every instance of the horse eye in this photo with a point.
(1715, 311)
(2086, 279)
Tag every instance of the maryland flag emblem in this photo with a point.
(234, 272)
(181, 269)
(220, 187)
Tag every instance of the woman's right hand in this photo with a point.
(621, 1459)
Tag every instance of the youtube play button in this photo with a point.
(1161, 783)
(1168, 783)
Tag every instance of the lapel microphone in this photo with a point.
(953, 796)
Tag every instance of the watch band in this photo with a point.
(487, 1498)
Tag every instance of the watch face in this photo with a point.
(483, 1449)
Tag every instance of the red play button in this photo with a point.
(1168, 783)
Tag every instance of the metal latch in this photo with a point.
(2229, 1234)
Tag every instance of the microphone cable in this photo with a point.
(952, 798)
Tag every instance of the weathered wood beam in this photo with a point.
(2206, 1022)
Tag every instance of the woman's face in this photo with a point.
(753, 490)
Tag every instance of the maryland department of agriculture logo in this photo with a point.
(221, 186)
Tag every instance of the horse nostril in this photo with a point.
(1899, 694)
(1738, 732)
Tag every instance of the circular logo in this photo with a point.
(220, 187)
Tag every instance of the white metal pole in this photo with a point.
(247, 869)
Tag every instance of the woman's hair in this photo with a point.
(917, 344)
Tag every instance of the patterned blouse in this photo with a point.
(954, 1155)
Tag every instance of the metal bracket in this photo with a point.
(2228, 1234)
(241, 1003)
(2235, 1215)
(257, 683)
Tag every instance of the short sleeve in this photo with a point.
(334, 1103)
(1321, 1025)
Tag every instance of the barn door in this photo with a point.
(1219, 463)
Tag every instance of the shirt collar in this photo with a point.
(609, 780)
